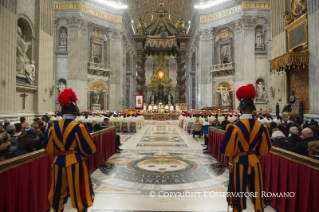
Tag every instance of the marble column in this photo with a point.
(78, 59)
(43, 55)
(205, 79)
(117, 77)
(244, 62)
(8, 43)
(313, 30)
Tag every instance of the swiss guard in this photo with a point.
(70, 144)
(245, 142)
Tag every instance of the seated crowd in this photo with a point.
(22, 138)
(294, 136)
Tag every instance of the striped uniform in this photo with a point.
(245, 136)
(70, 175)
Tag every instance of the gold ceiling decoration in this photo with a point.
(289, 60)
(144, 9)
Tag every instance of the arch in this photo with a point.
(226, 81)
(26, 24)
(62, 80)
(96, 59)
(224, 51)
(100, 82)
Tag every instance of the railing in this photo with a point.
(283, 171)
(25, 180)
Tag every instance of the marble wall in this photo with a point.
(37, 16)
(8, 43)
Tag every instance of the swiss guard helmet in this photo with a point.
(67, 100)
(246, 95)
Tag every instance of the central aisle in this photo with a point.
(162, 168)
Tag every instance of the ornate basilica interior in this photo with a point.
(191, 53)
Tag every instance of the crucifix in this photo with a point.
(24, 96)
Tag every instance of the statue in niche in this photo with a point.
(61, 87)
(291, 100)
(96, 95)
(22, 49)
(63, 38)
(261, 91)
(226, 101)
(225, 54)
(259, 40)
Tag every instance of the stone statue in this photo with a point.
(291, 100)
(226, 101)
(96, 95)
(61, 87)
(22, 49)
(30, 73)
(259, 39)
(63, 38)
(260, 91)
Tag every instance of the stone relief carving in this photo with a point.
(63, 38)
(77, 24)
(115, 35)
(249, 22)
(206, 35)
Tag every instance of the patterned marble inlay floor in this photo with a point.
(141, 178)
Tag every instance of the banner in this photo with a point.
(139, 102)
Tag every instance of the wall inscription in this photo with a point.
(244, 6)
(87, 10)
(297, 34)
(255, 5)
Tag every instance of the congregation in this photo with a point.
(290, 135)
(25, 137)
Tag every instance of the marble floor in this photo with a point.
(162, 168)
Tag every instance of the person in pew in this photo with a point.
(105, 122)
(4, 145)
(25, 146)
(206, 126)
(32, 134)
(225, 123)
(11, 130)
(245, 141)
(117, 138)
(216, 124)
(70, 143)
(279, 140)
(294, 137)
(308, 134)
(313, 147)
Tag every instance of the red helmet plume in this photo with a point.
(246, 92)
(66, 97)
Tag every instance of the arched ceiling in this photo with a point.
(146, 8)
